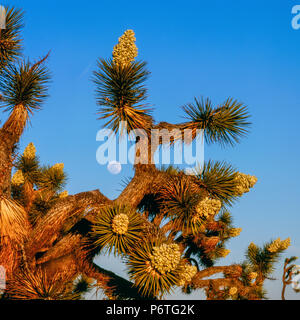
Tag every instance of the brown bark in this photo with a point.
(285, 280)
(214, 286)
(10, 256)
(10, 134)
(67, 256)
(233, 269)
(138, 187)
(47, 229)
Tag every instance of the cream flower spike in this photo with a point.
(120, 223)
(275, 245)
(58, 166)
(234, 232)
(224, 252)
(18, 178)
(208, 207)
(64, 194)
(30, 151)
(187, 274)
(125, 51)
(244, 182)
(285, 243)
(166, 257)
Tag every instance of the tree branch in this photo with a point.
(235, 270)
(10, 134)
(48, 228)
(138, 187)
(114, 286)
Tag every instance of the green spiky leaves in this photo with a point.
(40, 286)
(28, 166)
(218, 178)
(47, 178)
(225, 124)
(10, 40)
(117, 228)
(24, 84)
(52, 178)
(179, 203)
(37, 188)
(223, 182)
(263, 259)
(120, 92)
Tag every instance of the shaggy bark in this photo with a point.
(286, 279)
(10, 134)
(47, 229)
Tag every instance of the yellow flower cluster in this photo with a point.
(252, 246)
(188, 273)
(120, 223)
(252, 275)
(30, 151)
(277, 245)
(244, 182)
(223, 252)
(58, 167)
(64, 194)
(285, 243)
(125, 51)
(166, 257)
(18, 178)
(234, 232)
(233, 291)
(208, 207)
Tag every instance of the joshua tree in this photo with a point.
(289, 271)
(168, 227)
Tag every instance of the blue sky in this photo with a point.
(217, 49)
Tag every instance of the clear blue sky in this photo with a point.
(246, 50)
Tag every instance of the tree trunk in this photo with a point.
(10, 134)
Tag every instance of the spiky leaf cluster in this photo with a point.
(219, 179)
(263, 259)
(24, 84)
(179, 203)
(209, 243)
(225, 124)
(120, 93)
(117, 228)
(34, 186)
(10, 38)
(39, 286)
